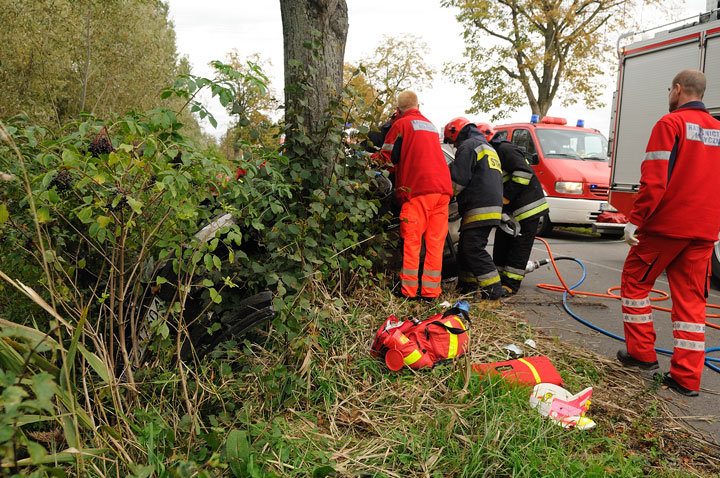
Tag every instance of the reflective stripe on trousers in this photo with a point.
(488, 279)
(512, 272)
(431, 282)
(423, 216)
(686, 262)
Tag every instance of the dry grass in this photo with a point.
(368, 421)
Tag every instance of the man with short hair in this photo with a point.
(422, 185)
(675, 215)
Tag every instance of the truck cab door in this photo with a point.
(523, 139)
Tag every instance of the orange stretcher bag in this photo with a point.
(422, 343)
(528, 371)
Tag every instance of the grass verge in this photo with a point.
(356, 418)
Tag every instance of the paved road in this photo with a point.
(604, 260)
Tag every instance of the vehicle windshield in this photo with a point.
(566, 143)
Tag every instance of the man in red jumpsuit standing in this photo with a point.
(423, 190)
(676, 217)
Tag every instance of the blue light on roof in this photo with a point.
(581, 123)
(534, 118)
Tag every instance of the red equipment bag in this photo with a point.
(528, 371)
(422, 343)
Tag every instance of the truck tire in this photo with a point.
(715, 273)
(545, 227)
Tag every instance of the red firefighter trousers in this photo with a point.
(686, 262)
(423, 215)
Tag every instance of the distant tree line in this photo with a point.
(62, 57)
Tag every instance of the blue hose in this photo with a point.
(708, 360)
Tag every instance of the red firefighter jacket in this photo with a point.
(413, 145)
(679, 177)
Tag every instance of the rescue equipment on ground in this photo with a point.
(423, 343)
(528, 370)
(565, 409)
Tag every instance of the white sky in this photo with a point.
(208, 30)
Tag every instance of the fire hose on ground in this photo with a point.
(570, 291)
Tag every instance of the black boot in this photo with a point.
(492, 292)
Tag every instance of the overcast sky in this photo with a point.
(208, 30)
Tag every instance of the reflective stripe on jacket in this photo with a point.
(413, 145)
(477, 179)
(679, 177)
(521, 187)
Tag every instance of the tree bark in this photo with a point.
(313, 76)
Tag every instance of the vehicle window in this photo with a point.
(449, 152)
(523, 139)
(566, 143)
(501, 135)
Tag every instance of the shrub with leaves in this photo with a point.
(98, 227)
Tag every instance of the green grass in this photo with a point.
(319, 405)
(364, 420)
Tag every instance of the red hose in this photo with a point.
(563, 288)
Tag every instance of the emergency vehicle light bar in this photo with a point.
(534, 119)
(581, 123)
(553, 120)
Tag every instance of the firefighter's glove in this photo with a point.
(629, 232)
(509, 225)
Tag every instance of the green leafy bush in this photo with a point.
(101, 218)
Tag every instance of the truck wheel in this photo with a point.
(715, 274)
(544, 226)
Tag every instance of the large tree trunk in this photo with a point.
(314, 34)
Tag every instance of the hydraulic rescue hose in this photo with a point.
(572, 292)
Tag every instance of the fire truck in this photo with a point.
(572, 166)
(646, 70)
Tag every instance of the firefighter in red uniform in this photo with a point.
(423, 189)
(675, 215)
(477, 182)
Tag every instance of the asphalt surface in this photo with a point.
(604, 260)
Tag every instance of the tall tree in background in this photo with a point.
(530, 51)
(252, 106)
(397, 64)
(363, 104)
(314, 35)
(60, 57)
